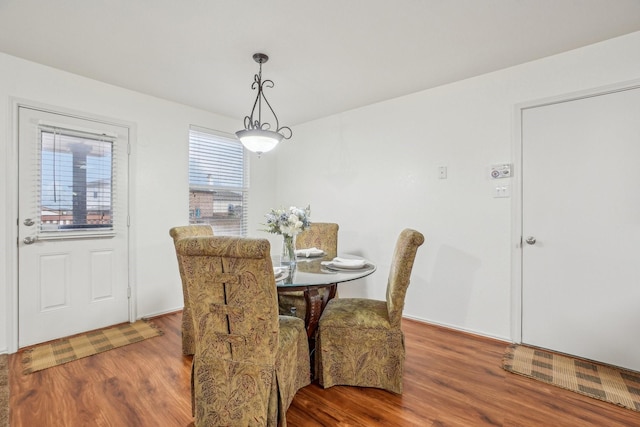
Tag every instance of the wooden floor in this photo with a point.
(451, 379)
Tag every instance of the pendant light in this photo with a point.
(258, 136)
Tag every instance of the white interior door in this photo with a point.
(581, 204)
(72, 226)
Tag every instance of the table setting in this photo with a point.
(311, 270)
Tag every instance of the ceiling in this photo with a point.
(326, 56)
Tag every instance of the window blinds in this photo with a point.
(218, 182)
(76, 191)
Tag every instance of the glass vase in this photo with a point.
(288, 256)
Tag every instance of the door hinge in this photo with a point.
(129, 292)
(128, 221)
(128, 148)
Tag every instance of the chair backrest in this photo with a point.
(400, 273)
(177, 233)
(233, 297)
(183, 231)
(321, 235)
(190, 231)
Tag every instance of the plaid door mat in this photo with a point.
(78, 346)
(604, 382)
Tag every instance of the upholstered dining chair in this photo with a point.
(177, 233)
(359, 341)
(249, 362)
(321, 235)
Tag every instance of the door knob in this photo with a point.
(29, 240)
(28, 222)
(531, 240)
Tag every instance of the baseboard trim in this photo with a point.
(457, 329)
(160, 313)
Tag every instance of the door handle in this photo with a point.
(29, 222)
(29, 240)
(530, 240)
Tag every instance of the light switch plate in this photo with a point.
(501, 191)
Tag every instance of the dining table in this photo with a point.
(312, 274)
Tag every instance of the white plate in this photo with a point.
(345, 267)
(354, 263)
(353, 269)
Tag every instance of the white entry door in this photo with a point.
(72, 226)
(581, 226)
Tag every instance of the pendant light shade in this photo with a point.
(259, 140)
(257, 135)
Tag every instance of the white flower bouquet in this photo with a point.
(288, 222)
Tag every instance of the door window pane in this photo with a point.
(76, 182)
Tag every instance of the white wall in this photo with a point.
(375, 171)
(159, 181)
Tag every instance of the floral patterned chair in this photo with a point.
(249, 362)
(321, 235)
(188, 346)
(359, 341)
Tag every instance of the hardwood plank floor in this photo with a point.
(451, 379)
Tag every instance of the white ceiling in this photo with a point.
(326, 56)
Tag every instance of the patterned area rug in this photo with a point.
(602, 382)
(4, 390)
(78, 346)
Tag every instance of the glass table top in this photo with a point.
(312, 272)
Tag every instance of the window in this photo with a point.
(218, 182)
(76, 175)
